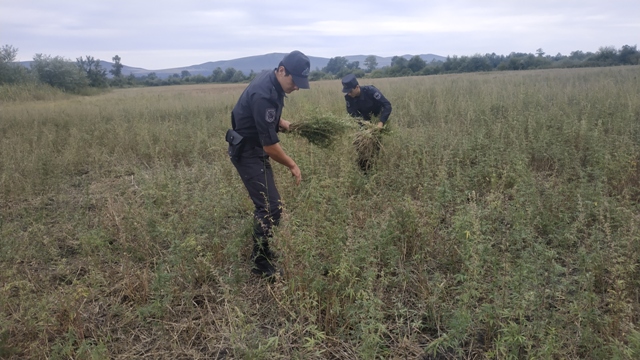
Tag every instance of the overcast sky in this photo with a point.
(164, 34)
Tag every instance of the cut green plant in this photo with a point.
(321, 129)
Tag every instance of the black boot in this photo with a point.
(365, 165)
(263, 260)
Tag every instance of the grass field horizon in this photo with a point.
(500, 222)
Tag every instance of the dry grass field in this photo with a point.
(501, 221)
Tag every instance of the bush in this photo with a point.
(13, 74)
(59, 72)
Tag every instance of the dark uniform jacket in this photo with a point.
(370, 102)
(256, 115)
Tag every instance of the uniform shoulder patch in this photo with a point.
(377, 95)
(270, 115)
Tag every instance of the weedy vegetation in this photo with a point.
(500, 221)
(368, 141)
(320, 128)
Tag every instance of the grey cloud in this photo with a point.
(170, 34)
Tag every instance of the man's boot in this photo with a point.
(262, 259)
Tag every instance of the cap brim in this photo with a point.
(346, 90)
(300, 81)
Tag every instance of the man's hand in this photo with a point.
(276, 153)
(295, 172)
(380, 124)
(284, 125)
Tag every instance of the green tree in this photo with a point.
(199, 79)
(95, 73)
(399, 67)
(628, 55)
(152, 79)
(606, 55)
(11, 73)
(494, 60)
(217, 75)
(416, 63)
(316, 75)
(229, 73)
(449, 64)
(378, 73)
(59, 72)
(335, 65)
(238, 77)
(433, 68)
(252, 75)
(474, 64)
(370, 63)
(8, 53)
(577, 55)
(185, 73)
(351, 68)
(174, 79)
(399, 61)
(359, 73)
(131, 79)
(116, 70)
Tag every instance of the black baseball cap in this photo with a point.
(349, 83)
(298, 65)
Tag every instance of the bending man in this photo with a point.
(254, 139)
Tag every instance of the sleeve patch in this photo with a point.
(377, 95)
(270, 115)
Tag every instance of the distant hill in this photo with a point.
(246, 64)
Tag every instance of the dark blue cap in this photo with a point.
(349, 83)
(298, 65)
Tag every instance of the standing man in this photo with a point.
(254, 139)
(363, 102)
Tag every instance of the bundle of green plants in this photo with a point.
(368, 141)
(321, 129)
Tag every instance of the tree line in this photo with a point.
(401, 66)
(87, 72)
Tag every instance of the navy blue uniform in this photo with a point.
(256, 117)
(370, 102)
(255, 122)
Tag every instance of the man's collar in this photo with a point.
(276, 83)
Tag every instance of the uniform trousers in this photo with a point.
(257, 175)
